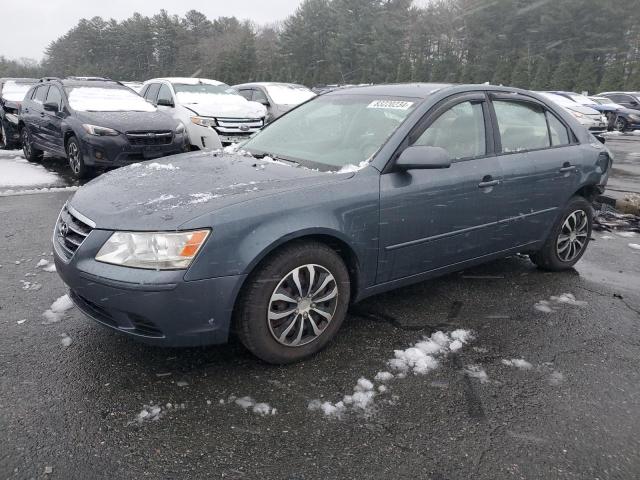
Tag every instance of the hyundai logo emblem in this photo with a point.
(64, 228)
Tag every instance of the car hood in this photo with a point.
(166, 193)
(129, 121)
(231, 106)
(584, 110)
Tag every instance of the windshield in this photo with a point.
(14, 91)
(559, 99)
(198, 92)
(289, 94)
(333, 131)
(100, 99)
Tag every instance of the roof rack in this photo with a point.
(90, 79)
(49, 79)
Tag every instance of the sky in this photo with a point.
(31, 25)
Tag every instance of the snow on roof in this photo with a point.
(15, 91)
(284, 94)
(95, 99)
(186, 80)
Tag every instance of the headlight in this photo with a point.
(12, 117)
(99, 131)
(180, 128)
(204, 121)
(151, 250)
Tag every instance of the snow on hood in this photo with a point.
(14, 91)
(223, 105)
(95, 99)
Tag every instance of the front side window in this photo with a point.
(333, 131)
(54, 96)
(101, 99)
(522, 126)
(165, 94)
(459, 130)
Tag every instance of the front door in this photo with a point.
(431, 219)
(52, 124)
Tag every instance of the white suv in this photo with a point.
(212, 112)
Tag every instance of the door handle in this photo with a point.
(42, 114)
(488, 183)
(567, 168)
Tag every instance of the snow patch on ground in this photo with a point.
(554, 302)
(16, 171)
(30, 286)
(149, 413)
(249, 404)
(34, 191)
(66, 340)
(419, 359)
(520, 363)
(56, 312)
(476, 371)
(635, 246)
(50, 268)
(626, 234)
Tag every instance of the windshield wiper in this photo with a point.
(261, 155)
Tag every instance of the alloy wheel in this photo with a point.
(26, 144)
(573, 236)
(621, 125)
(74, 157)
(3, 137)
(302, 305)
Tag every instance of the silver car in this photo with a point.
(591, 119)
(279, 98)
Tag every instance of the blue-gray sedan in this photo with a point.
(353, 193)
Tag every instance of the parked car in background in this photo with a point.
(12, 92)
(212, 112)
(591, 119)
(278, 98)
(94, 123)
(630, 101)
(608, 111)
(626, 118)
(135, 86)
(394, 184)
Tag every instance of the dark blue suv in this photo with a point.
(353, 193)
(94, 122)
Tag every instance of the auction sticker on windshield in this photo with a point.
(393, 104)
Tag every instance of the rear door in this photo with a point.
(36, 116)
(431, 219)
(538, 157)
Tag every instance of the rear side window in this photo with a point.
(54, 96)
(620, 98)
(246, 94)
(41, 94)
(152, 92)
(559, 133)
(522, 126)
(459, 130)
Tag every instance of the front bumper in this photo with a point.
(117, 151)
(157, 308)
(12, 131)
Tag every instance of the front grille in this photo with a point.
(238, 126)
(70, 231)
(150, 138)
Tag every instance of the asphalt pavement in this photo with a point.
(72, 411)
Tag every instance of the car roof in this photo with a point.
(186, 80)
(416, 90)
(18, 80)
(269, 84)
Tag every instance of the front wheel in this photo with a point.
(76, 160)
(4, 141)
(621, 124)
(30, 152)
(294, 303)
(568, 239)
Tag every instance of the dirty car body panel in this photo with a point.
(392, 227)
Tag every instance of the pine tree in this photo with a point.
(502, 75)
(587, 79)
(613, 78)
(541, 80)
(520, 76)
(564, 75)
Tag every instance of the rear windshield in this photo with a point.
(15, 91)
(100, 99)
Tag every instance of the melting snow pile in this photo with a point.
(635, 246)
(476, 371)
(15, 171)
(31, 286)
(46, 265)
(149, 413)
(517, 363)
(58, 309)
(249, 404)
(419, 359)
(551, 305)
(66, 340)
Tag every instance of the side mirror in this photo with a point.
(421, 157)
(50, 107)
(165, 102)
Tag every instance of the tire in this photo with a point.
(76, 160)
(30, 152)
(568, 239)
(4, 144)
(620, 125)
(275, 322)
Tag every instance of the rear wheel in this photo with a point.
(30, 152)
(4, 143)
(568, 239)
(76, 159)
(294, 304)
